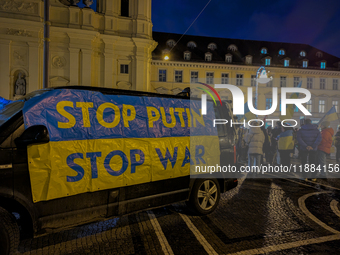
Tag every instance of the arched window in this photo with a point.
(212, 46)
(264, 51)
(191, 44)
(170, 43)
(232, 47)
(282, 52)
(319, 54)
(302, 53)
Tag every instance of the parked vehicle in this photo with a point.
(74, 155)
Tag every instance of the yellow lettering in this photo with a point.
(100, 114)
(127, 117)
(85, 111)
(187, 110)
(180, 115)
(172, 121)
(150, 110)
(71, 119)
(197, 117)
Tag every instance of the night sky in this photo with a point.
(313, 22)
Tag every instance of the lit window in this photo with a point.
(309, 82)
(187, 55)
(212, 46)
(302, 53)
(194, 77)
(323, 65)
(249, 60)
(210, 77)
(283, 81)
(207, 56)
(281, 52)
(322, 83)
(225, 78)
(253, 81)
(264, 51)
(228, 58)
(191, 45)
(296, 81)
(178, 75)
(268, 103)
(170, 43)
(321, 106)
(319, 54)
(267, 61)
(232, 47)
(335, 84)
(335, 104)
(286, 63)
(124, 69)
(239, 79)
(296, 109)
(162, 75)
(309, 105)
(305, 64)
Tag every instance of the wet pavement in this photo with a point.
(260, 216)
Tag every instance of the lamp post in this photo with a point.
(47, 24)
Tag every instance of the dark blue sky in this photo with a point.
(314, 22)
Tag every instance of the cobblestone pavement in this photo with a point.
(260, 216)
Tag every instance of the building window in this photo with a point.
(210, 77)
(270, 83)
(286, 63)
(239, 79)
(319, 54)
(170, 43)
(323, 65)
(225, 78)
(194, 77)
(268, 103)
(228, 58)
(178, 76)
(335, 84)
(212, 46)
(302, 53)
(305, 64)
(264, 51)
(296, 109)
(321, 106)
(249, 60)
(335, 104)
(267, 62)
(281, 52)
(124, 69)
(309, 105)
(162, 75)
(232, 47)
(187, 55)
(296, 81)
(207, 56)
(322, 83)
(253, 81)
(124, 8)
(191, 45)
(283, 81)
(309, 82)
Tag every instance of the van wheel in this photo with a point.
(9, 233)
(205, 196)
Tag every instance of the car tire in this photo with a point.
(205, 196)
(9, 233)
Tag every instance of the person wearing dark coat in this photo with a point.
(309, 137)
(337, 145)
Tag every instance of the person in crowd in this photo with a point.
(286, 145)
(337, 145)
(266, 145)
(275, 133)
(309, 137)
(325, 145)
(255, 140)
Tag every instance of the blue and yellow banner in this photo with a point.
(102, 141)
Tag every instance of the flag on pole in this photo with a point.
(331, 115)
(290, 107)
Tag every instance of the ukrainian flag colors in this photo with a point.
(331, 115)
(286, 141)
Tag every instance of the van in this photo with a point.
(75, 155)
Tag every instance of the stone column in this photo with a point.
(5, 88)
(86, 67)
(74, 66)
